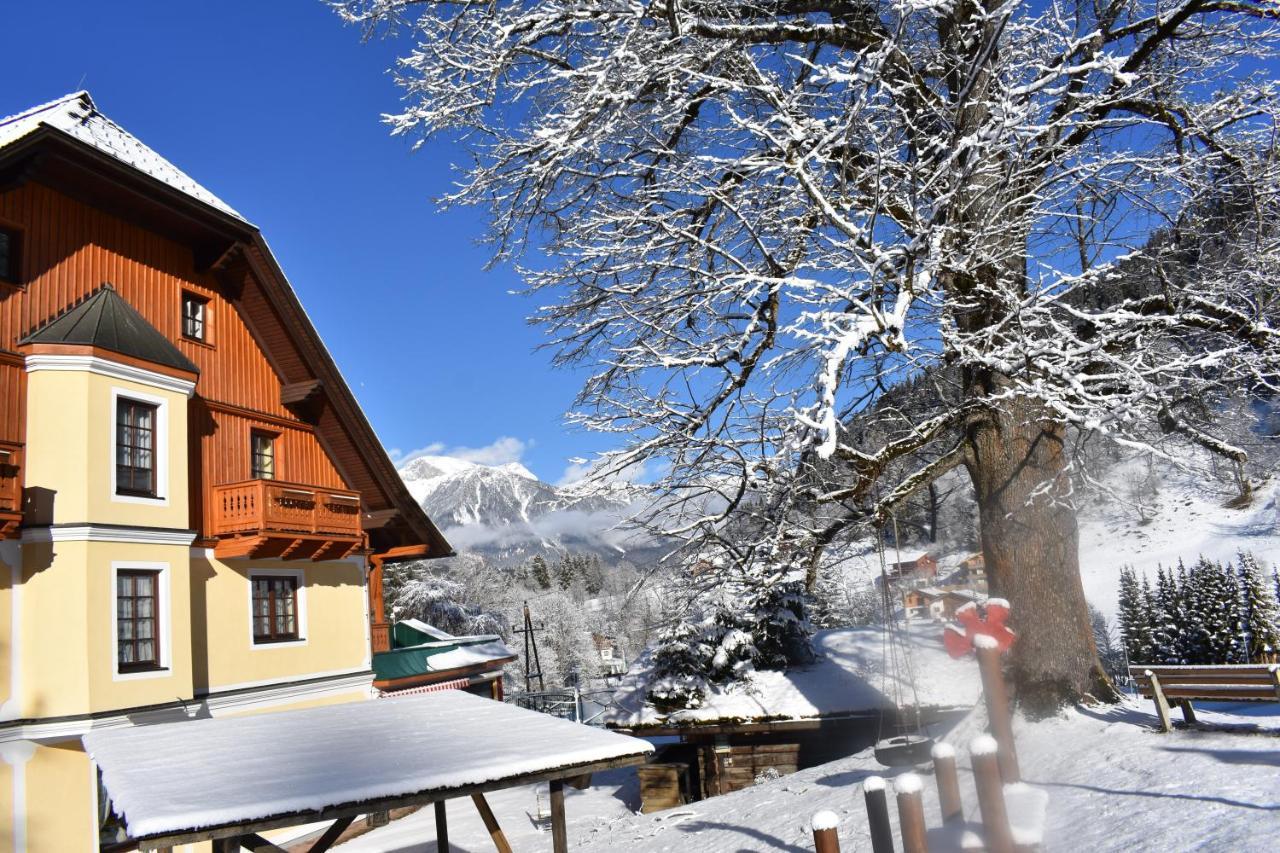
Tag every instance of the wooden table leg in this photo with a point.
(491, 823)
(559, 834)
(442, 827)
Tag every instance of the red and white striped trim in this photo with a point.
(455, 684)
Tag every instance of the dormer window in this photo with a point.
(195, 317)
(9, 245)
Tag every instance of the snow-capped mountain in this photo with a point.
(506, 512)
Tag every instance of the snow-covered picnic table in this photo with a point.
(234, 777)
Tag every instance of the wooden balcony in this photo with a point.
(10, 488)
(285, 521)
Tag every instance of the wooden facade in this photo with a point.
(84, 220)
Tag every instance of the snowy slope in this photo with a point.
(1189, 520)
(1185, 519)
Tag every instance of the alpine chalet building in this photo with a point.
(194, 512)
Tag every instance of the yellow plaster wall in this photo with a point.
(224, 652)
(11, 552)
(6, 807)
(71, 449)
(58, 441)
(54, 637)
(61, 797)
(67, 628)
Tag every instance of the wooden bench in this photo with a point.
(1227, 682)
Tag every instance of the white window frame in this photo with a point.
(202, 316)
(300, 579)
(161, 450)
(165, 632)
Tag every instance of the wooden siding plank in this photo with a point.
(69, 250)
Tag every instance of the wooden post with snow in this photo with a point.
(908, 787)
(985, 633)
(878, 815)
(983, 753)
(825, 839)
(944, 772)
(998, 711)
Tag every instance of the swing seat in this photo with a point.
(904, 750)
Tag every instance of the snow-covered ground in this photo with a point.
(850, 675)
(1114, 785)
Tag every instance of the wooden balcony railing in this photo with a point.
(272, 507)
(10, 488)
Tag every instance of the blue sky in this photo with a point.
(274, 106)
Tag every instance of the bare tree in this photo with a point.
(758, 216)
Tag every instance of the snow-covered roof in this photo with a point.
(490, 651)
(78, 117)
(179, 777)
(429, 630)
(849, 677)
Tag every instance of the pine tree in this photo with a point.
(755, 616)
(1231, 644)
(1195, 593)
(1147, 637)
(540, 573)
(593, 576)
(1167, 637)
(1134, 617)
(566, 571)
(1260, 614)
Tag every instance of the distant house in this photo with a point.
(973, 571)
(611, 659)
(918, 568)
(422, 658)
(924, 602)
(920, 565)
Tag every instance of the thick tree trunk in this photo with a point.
(1030, 541)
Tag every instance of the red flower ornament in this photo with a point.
(961, 639)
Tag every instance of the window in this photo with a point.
(264, 455)
(195, 312)
(275, 609)
(135, 448)
(137, 631)
(9, 255)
